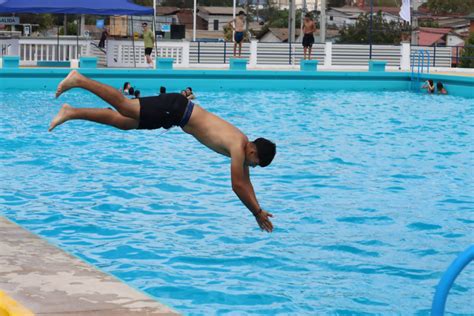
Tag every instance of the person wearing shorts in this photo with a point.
(238, 28)
(174, 109)
(149, 41)
(308, 38)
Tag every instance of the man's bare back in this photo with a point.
(168, 110)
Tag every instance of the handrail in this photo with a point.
(419, 56)
(444, 285)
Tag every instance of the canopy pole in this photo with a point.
(234, 8)
(154, 28)
(194, 19)
(133, 44)
(57, 44)
(77, 39)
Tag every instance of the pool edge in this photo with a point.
(48, 280)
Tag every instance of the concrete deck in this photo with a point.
(49, 281)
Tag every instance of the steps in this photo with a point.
(97, 52)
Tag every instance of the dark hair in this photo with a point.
(439, 85)
(190, 89)
(144, 24)
(162, 89)
(131, 91)
(241, 12)
(308, 15)
(266, 150)
(430, 81)
(137, 94)
(125, 85)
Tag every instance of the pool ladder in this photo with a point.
(444, 285)
(418, 59)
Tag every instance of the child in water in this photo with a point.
(429, 86)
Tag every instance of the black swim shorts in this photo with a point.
(148, 50)
(166, 110)
(308, 40)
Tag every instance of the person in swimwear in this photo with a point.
(440, 88)
(308, 30)
(173, 109)
(429, 86)
(239, 30)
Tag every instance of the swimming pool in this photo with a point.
(371, 192)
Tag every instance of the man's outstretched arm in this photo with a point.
(242, 186)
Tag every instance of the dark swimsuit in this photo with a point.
(239, 36)
(308, 40)
(166, 110)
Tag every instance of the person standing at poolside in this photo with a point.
(149, 41)
(308, 29)
(173, 109)
(239, 29)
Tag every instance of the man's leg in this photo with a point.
(240, 49)
(102, 116)
(126, 107)
(304, 52)
(235, 49)
(309, 52)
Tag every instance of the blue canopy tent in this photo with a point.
(96, 7)
(102, 7)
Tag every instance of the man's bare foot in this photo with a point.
(69, 82)
(61, 117)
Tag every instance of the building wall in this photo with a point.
(270, 38)
(453, 40)
(222, 20)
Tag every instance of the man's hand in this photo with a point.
(263, 221)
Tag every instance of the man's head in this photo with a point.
(189, 91)
(260, 152)
(241, 14)
(308, 17)
(144, 25)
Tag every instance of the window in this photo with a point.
(216, 25)
(331, 18)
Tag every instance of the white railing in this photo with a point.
(9, 47)
(358, 55)
(120, 53)
(439, 56)
(33, 50)
(123, 54)
(285, 54)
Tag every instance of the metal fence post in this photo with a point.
(199, 52)
(225, 50)
(289, 51)
(457, 56)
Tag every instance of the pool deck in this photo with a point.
(48, 281)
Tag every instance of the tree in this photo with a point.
(467, 56)
(450, 6)
(383, 32)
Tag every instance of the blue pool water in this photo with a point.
(372, 195)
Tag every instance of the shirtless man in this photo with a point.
(239, 30)
(173, 109)
(308, 38)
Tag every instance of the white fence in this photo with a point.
(9, 47)
(126, 54)
(121, 53)
(438, 56)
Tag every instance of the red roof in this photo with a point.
(428, 39)
(391, 10)
(435, 30)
